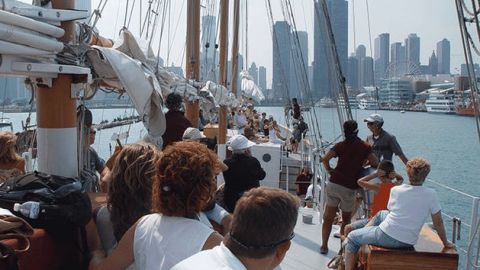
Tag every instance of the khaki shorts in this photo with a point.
(340, 196)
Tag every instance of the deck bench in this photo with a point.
(428, 253)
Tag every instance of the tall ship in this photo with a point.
(441, 101)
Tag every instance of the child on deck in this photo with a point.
(381, 182)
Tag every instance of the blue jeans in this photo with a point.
(358, 224)
(372, 235)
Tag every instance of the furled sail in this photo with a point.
(249, 88)
(128, 66)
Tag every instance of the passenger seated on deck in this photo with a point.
(183, 184)
(274, 133)
(409, 206)
(129, 195)
(380, 182)
(11, 164)
(262, 227)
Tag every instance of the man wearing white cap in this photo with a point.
(384, 144)
(244, 171)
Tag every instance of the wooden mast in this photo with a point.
(222, 117)
(192, 66)
(56, 116)
(236, 25)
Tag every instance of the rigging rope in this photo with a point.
(174, 34)
(469, 62)
(277, 48)
(131, 13)
(346, 113)
(97, 13)
(126, 13)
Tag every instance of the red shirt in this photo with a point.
(351, 157)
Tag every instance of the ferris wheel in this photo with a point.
(402, 69)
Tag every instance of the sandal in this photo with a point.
(323, 250)
(335, 262)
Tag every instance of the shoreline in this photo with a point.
(22, 109)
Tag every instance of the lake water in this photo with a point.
(449, 142)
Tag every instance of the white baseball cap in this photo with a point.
(238, 142)
(375, 117)
(192, 134)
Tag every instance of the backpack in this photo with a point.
(62, 202)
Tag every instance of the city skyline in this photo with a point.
(410, 16)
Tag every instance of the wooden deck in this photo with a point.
(304, 253)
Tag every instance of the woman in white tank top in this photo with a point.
(182, 186)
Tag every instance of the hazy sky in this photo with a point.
(432, 20)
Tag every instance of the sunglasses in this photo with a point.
(290, 237)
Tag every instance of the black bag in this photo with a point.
(61, 200)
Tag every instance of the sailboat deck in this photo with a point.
(304, 252)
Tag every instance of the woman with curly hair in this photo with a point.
(11, 164)
(183, 184)
(129, 192)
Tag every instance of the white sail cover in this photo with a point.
(219, 94)
(249, 88)
(131, 65)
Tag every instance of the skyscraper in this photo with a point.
(11, 89)
(360, 54)
(262, 78)
(360, 51)
(299, 64)
(412, 44)
(352, 72)
(253, 72)
(443, 55)
(433, 64)
(382, 44)
(397, 59)
(281, 59)
(323, 59)
(366, 73)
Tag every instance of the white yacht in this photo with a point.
(441, 101)
(368, 104)
(326, 102)
(351, 100)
